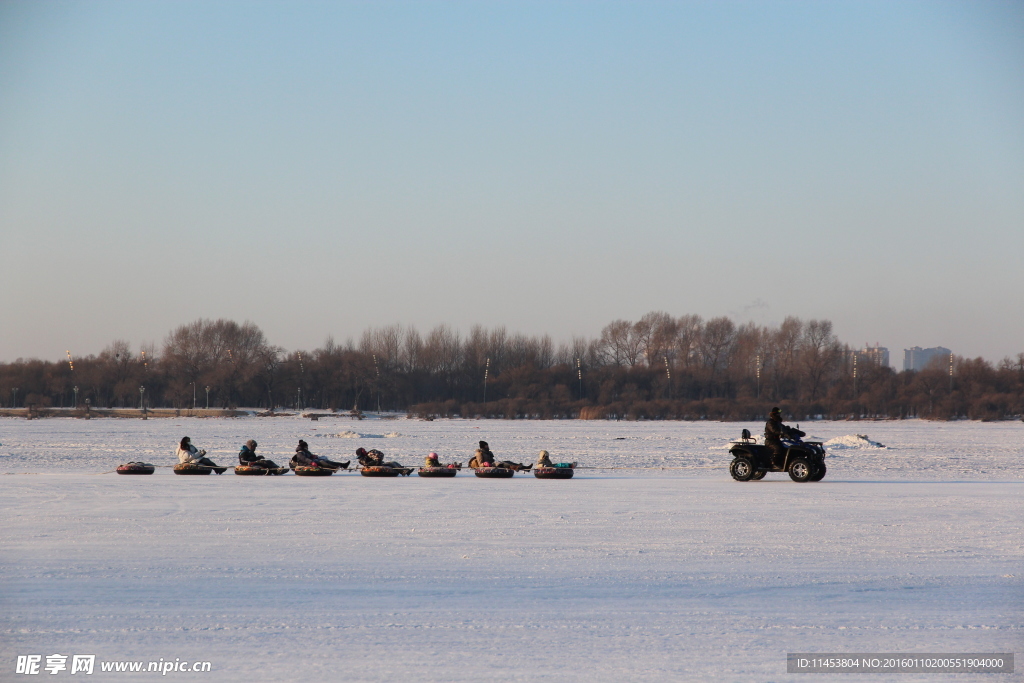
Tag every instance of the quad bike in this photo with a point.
(803, 460)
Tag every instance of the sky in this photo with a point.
(321, 168)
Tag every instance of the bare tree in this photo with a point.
(687, 340)
(784, 346)
(716, 343)
(621, 343)
(820, 352)
(656, 332)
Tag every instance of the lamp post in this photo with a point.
(668, 376)
(76, 396)
(14, 397)
(376, 369)
(193, 395)
(854, 375)
(487, 369)
(207, 398)
(579, 374)
(142, 401)
(302, 375)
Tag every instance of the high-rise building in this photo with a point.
(879, 355)
(916, 358)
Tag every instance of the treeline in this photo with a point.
(659, 367)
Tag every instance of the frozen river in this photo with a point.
(617, 574)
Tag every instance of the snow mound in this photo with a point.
(391, 435)
(852, 441)
(347, 434)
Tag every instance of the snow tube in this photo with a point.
(379, 471)
(192, 468)
(313, 471)
(494, 472)
(258, 471)
(438, 472)
(554, 473)
(136, 468)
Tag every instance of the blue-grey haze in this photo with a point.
(319, 168)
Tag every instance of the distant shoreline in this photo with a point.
(161, 413)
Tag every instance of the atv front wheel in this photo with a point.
(759, 475)
(741, 469)
(801, 470)
(819, 472)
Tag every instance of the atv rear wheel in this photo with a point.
(819, 472)
(742, 469)
(801, 470)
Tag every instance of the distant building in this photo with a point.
(877, 355)
(917, 358)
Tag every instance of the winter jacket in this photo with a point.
(305, 459)
(543, 460)
(193, 454)
(484, 457)
(247, 457)
(775, 432)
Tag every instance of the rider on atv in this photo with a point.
(775, 432)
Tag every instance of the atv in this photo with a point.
(804, 460)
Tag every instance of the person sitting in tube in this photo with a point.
(303, 458)
(190, 455)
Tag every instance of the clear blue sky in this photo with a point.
(319, 168)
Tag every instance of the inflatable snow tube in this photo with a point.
(246, 470)
(494, 472)
(136, 468)
(191, 468)
(554, 473)
(379, 471)
(313, 471)
(438, 471)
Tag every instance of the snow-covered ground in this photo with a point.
(617, 574)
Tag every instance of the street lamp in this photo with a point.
(142, 400)
(207, 398)
(487, 370)
(76, 396)
(579, 375)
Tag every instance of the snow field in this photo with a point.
(641, 575)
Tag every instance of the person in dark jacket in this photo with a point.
(774, 432)
(247, 457)
(374, 458)
(483, 457)
(303, 458)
